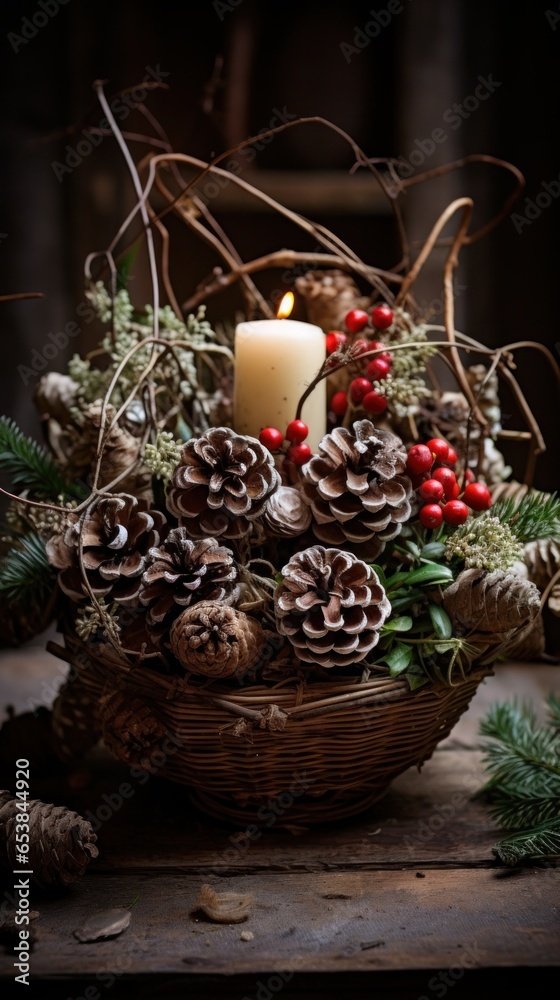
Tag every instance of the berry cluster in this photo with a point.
(296, 432)
(438, 487)
(361, 389)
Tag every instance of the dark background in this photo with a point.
(390, 94)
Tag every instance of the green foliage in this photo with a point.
(25, 572)
(523, 761)
(30, 466)
(536, 515)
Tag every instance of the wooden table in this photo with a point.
(404, 901)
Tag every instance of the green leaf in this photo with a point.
(416, 681)
(534, 516)
(380, 573)
(433, 550)
(402, 623)
(399, 658)
(431, 573)
(408, 598)
(440, 621)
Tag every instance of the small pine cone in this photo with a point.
(61, 843)
(287, 515)
(329, 296)
(116, 537)
(331, 606)
(542, 558)
(216, 641)
(74, 722)
(357, 486)
(221, 484)
(130, 730)
(488, 608)
(180, 572)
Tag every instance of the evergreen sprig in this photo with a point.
(536, 515)
(25, 572)
(31, 466)
(523, 761)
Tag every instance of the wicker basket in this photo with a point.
(311, 752)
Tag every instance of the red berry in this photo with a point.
(469, 475)
(297, 431)
(299, 454)
(377, 368)
(448, 480)
(359, 387)
(452, 456)
(361, 346)
(477, 496)
(455, 512)
(272, 438)
(373, 402)
(339, 403)
(378, 345)
(419, 459)
(432, 490)
(382, 317)
(335, 339)
(356, 320)
(431, 515)
(439, 447)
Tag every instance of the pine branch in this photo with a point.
(523, 762)
(542, 841)
(534, 516)
(31, 466)
(25, 572)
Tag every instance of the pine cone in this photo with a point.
(61, 843)
(331, 606)
(120, 449)
(74, 721)
(215, 640)
(130, 730)
(116, 536)
(490, 608)
(543, 561)
(329, 295)
(222, 483)
(357, 486)
(287, 515)
(553, 603)
(180, 572)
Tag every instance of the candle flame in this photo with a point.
(286, 306)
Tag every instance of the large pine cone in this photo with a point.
(131, 731)
(61, 843)
(490, 608)
(357, 486)
(116, 538)
(216, 641)
(222, 483)
(542, 558)
(180, 572)
(331, 606)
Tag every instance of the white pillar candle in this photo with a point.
(275, 360)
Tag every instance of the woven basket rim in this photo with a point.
(295, 696)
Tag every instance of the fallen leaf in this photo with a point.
(104, 924)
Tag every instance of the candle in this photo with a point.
(275, 360)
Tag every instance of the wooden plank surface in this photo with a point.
(335, 921)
